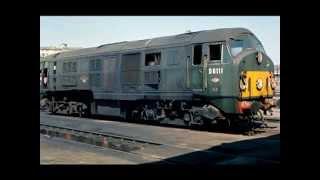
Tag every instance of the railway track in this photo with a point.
(133, 145)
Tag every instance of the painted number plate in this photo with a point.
(215, 70)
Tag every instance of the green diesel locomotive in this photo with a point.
(210, 76)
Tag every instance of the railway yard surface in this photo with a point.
(73, 140)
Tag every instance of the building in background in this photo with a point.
(45, 51)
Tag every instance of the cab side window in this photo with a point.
(215, 52)
(197, 54)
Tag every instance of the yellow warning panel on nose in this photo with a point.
(259, 84)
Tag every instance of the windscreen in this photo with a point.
(240, 43)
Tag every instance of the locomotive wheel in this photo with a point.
(135, 115)
(148, 115)
(201, 122)
(68, 109)
(87, 111)
(261, 119)
(260, 116)
(187, 118)
(44, 105)
(80, 110)
(224, 124)
(52, 108)
(197, 119)
(144, 116)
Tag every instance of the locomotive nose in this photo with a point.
(256, 75)
(255, 84)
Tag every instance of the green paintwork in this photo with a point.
(226, 92)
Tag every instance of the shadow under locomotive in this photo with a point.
(253, 152)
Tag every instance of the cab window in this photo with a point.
(197, 54)
(240, 43)
(215, 52)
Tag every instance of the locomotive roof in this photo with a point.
(180, 39)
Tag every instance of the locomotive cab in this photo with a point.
(255, 73)
(235, 76)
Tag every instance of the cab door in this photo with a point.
(196, 68)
